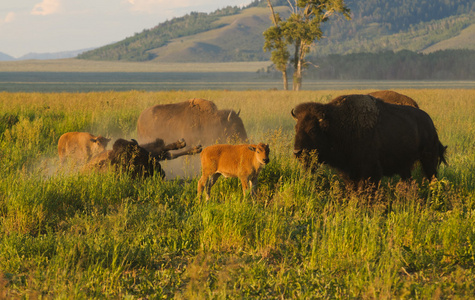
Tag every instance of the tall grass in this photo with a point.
(67, 234)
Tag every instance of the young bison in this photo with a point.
(242, 161)
(80, 146)
(139, 160)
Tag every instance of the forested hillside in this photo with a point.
(376, 25)
(135, 48)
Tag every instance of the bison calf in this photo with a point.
(80, 146)
(242, 161)
(139, 160)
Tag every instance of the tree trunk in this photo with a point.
(297, 78)
(286, 81)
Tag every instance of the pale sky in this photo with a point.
(43, 26)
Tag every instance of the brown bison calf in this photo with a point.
(80, 146)
(242, 161)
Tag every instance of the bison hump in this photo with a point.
(358, 113)
(203, 105)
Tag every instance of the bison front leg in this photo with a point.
(249, 185)
(253, 185)
(429, 163)
(245, 185)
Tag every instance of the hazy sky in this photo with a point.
(63, 25)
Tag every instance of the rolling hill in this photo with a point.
(5, 57)
(235, 34)
(238, 38)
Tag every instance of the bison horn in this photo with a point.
(239, 111)
(229, 116)
(293, 114)
(297, 152)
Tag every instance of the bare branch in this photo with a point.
(292, 8)
(272, 11)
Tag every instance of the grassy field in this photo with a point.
(75, 75)
(81, 65)
(66, 234)
(73, 82)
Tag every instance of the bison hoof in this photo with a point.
(181, 143)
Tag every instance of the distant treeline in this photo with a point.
(402, 65)
(389, 65)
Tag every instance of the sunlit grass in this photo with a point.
(67, 234)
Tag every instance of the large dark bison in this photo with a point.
(366, 138)
(198, 121)
(140, 160)
(394, 98)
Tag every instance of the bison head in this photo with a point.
(310, 133)
(262, 153)
(232, 126)
(99, 143)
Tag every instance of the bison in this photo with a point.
(242, 161)
(198, 121)
(80, 146)
(394, 98)
(365, 138)
(139, 160)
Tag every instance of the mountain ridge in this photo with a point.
(235, 34)
(45, 55)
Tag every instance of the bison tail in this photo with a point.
(442, 153)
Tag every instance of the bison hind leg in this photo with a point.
(206, 182)
(176, 145)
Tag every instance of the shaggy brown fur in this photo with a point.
(394, 98)
(198, 121)
(203, 105)
(400, 136)
(80, 146)
(358, 111)
(242, 161)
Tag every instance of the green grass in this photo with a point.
(66, 234)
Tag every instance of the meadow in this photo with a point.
(66, 234)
